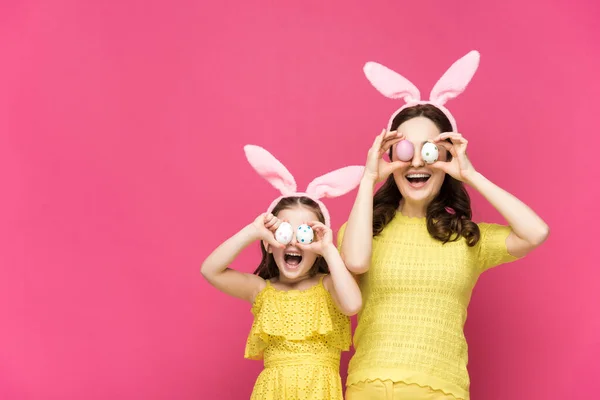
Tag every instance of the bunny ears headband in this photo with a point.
(451, 84)
(333, 184)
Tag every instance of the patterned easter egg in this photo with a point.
(429, 153)
(304, 234)
(284, 233)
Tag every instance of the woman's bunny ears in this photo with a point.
(333, 184)
(451, 84)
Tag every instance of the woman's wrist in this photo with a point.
(474, 179)
(368, 181)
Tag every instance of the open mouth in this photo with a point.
(292, 259)
(418, 180)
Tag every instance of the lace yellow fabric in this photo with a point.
(300, 334)
(415, 299)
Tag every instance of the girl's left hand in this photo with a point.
(322, 241)
(459, 167)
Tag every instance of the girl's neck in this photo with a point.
(292, 282)
(413, 209)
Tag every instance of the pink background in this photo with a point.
(121, 133)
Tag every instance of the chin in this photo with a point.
(419, 190)
(293, 269)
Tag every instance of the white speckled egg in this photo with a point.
(304, 234)
(284, 233)
(429, 153)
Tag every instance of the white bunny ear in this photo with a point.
(271, 169)
(391, 84)
(456, 79)
(336, 183)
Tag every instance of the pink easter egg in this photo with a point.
(405, 150)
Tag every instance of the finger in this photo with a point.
(273, 242)
(272, 222)
(386, 145)
(394, 165)
(390, 134)
(269, 220)
(449, 147)
(446, 145)
(393, 135)
(456, 138)
(441, 165)
(276, 225)
(316, 224)
(321, 232)
(305, 247)
(378, 139)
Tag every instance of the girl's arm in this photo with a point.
(358, 235)
(528, 230)
(339, 283)
(215, 268)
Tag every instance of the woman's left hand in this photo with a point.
(322, 241)
(459, 167)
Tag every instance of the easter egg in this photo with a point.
(304, 234)
(284, 233)
(405, 150)
(429, 153)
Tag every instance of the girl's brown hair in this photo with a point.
(267, 268)
(449, 214)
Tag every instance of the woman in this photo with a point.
(417, 251)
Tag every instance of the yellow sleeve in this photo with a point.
(340, 236)
(492, 245)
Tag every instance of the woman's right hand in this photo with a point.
(264, 227)
(377, 168)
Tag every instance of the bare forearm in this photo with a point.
(347, 291)
(524, 222)
(358, 236)
(218, 261)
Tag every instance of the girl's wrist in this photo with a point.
(329, 251)
(251, 232)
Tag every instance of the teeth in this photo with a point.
(292, 254)
(418, 176)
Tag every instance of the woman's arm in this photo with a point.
(358, 235)
(528, 229)
(215, 268)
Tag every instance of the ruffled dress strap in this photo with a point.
(296, 315)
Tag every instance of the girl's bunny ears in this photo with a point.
(451, 84)
(332, 184)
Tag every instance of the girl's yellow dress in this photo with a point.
(300, 334)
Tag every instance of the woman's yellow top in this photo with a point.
(415, 298)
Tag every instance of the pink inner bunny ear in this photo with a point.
(456, 79)
(336, 183)
(391, 84)
(271, 169)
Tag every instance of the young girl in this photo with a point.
(418, 251)
(302, 294)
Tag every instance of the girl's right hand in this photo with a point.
(377, 168)
(265, 226)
